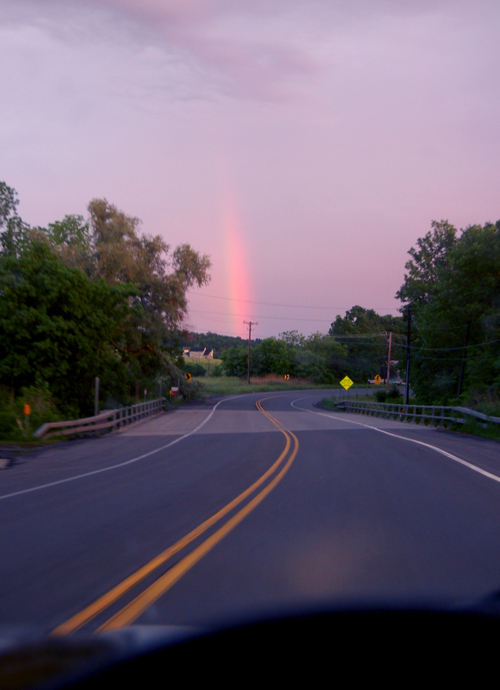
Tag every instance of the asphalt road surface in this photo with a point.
(262, 502)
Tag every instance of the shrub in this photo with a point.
(195, 369)
(393, 392)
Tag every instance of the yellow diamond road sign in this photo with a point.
(346, 382)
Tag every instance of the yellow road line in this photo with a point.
(135, 608)
(102, 603)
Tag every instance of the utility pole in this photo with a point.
(408, 342)
(250, 324)
(388, 363)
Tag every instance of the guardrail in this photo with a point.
(435, 415)
(105, 420)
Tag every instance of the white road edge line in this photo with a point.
(475, 468)
(121, 464)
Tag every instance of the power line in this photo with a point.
(450, 349)
(276, 318)
(360, 335)
(276, 304)
(455, 359)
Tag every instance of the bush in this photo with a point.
(195, 369)
(7, 424)
(393, 392)
(12, 418)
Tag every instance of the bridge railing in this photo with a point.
(435, 415)
(110, 419)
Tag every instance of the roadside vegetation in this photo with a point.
(96, 297)
(452, 289)
(86, 298)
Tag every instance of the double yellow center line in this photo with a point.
(132, 610)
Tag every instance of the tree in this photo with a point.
(293, 338)
(121, 255)
(364, 332)
(12, 229)
(454, 293)
(331, 353)
(272, 356)
(235, 361)
(427, 263)
(57, 325)
(98, 293)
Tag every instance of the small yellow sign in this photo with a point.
(378, 379)
(286, 376)
(346, 382)
(188, 376)
(27, 409)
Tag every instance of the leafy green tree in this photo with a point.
(96, 298)
(456, 314)
(121, 255)
(235, 361)
(12, 229)
(57, 325)
(272, 356)
(427, 264)
(316, 357)
(364, 333)
(292, 338)
(331, 353)
(311, 365)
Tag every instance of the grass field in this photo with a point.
(228, 385)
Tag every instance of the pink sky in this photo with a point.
(304, 144)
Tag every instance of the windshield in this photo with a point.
(249, 308)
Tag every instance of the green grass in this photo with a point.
(476, 429)
(230, 385)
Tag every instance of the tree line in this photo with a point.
(356, 346)
(95, 296)
(450, 293)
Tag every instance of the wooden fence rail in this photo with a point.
(110, 419)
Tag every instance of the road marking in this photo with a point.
(137, 607)
(121, 464)
(166, 581)
(475, 468)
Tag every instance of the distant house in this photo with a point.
(198, 354)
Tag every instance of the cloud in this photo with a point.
(236, 49)
(255, 49)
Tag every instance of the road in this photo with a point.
(209, 513)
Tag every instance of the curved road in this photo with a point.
(264, 501)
